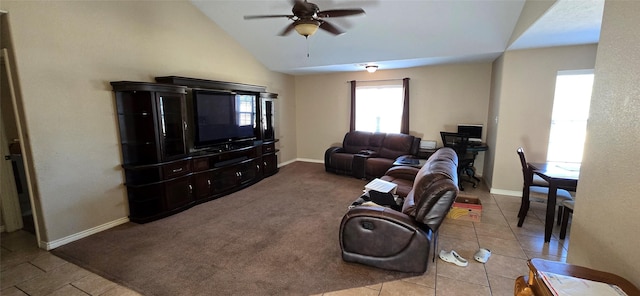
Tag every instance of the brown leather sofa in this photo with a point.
(388, 239)
(369, 155)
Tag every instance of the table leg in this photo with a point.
(551, 211)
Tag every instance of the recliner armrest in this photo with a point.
(403, 172)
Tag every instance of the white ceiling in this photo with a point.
(401, 33)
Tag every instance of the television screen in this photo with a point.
(222, 117)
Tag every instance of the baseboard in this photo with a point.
(74, 237)
(506, 192)
(300, 159)
(310, 160)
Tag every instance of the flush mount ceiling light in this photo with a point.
(371, 68)
(306, 28)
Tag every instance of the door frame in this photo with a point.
(26, 157)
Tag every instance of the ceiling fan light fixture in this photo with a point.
(307, 28)
(371, 68)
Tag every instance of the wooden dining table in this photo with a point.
(558, 175)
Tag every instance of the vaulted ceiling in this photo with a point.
(405, 33)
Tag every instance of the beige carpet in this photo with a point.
(277, 237)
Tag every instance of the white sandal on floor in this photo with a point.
(482, 255)
(453, 257)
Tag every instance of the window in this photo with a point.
(569, 118)
(380, 106)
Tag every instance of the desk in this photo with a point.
(534, 285)
(558, 175)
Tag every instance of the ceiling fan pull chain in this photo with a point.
(307, 39)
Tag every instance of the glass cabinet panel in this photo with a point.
(171, 125)
(268, 119)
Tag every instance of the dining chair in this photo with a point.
(567, 206)
(537, 189)
(459, 143)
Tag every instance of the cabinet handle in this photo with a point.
(176, 170)
(257, 167)
(185, 125)
(190, 189)
(209, 183)
(265, 164)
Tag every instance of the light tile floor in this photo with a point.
(27, 270)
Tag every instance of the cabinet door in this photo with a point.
(268, 118)
(178, 192)
(137, 127)
(249, 171)
(203, 185)
(224, 179)
(172, 125)
(269, 164)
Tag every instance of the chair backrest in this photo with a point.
(527, 174)
(457, 142)
(435, 188)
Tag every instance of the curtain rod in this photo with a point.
(391, 79)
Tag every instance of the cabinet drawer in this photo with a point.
(268, 148)
(176, 169)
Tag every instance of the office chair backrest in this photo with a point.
(457, 142)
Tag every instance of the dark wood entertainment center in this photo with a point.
(165, 173)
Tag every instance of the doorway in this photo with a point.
(16, 206)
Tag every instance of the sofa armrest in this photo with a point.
(329, 152)
(403, 172)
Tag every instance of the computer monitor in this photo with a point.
(473, 130)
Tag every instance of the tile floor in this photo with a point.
(27, 270)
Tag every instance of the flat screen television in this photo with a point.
(222, 117)
(473, 130)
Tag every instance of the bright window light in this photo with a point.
(570, 114)
(379, 108)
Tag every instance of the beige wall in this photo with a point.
(604, 229)
(66, 54)
(524, 98)
(440, 98)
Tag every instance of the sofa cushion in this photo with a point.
(395, 145)
(376, 141)
(356, 141)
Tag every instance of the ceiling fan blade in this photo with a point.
(330, 28)
(288, 29)
(340, 12)
(251, 17)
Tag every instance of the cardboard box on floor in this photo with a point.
(466, 207)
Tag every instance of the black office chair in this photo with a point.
(459, 143)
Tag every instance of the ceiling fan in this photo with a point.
(307, 18)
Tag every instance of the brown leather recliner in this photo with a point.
(388, 239)
(369, 155)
